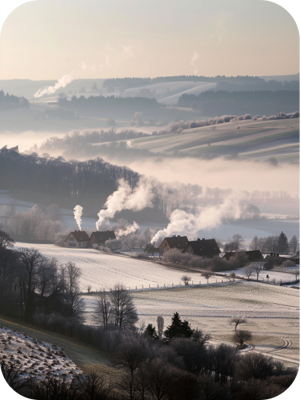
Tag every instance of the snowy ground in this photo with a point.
(103, 271)
(36, 359)
(250, 299)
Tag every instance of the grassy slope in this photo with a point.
(253, 139)
(85, 356)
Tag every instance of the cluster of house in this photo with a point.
(207, 248)
(82, 240)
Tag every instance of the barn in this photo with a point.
(77, 239)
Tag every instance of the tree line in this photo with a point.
(110, 103)
(93, 179)
(223, 102)
(9, 101)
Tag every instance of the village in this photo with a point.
(201, 247)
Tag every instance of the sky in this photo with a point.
(47, 39)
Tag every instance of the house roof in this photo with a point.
(80, 236)
(102, 236)
(253, 255)
(203, 246)
(178, 242)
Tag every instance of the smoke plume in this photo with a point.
(61, 83)
(184, 223)
(78, 212)
(126, 198)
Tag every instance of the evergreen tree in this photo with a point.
(151, 331)
(282, 243)
(178, 328)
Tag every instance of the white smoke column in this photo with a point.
(183, 223)
(195, 56)
(130, 229)
(78, 212)
(126, 199)
(61, 83)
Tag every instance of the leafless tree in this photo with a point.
(185, 279)
(232, 275)
(123, 311)
(5, 240)
(206, 275)
(32, 261)
(248, 271)
(160, 377)
(294, 244)
(102, 310)
(72, 296)
(237, 321)
(257, 268)
(241, 337)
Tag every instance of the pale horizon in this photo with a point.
(100, 40)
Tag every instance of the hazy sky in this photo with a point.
(47, 39)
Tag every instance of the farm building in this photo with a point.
(99, 238)
(77, 239)
(174, 242)
(253, 256)
(202, 248)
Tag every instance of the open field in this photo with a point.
(103, 271)
(84, 356)
(256, 140)
(272, 313)
(169, 92)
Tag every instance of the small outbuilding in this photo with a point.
(203, 248)
(99, 238)
(77, 239)
(174, 242)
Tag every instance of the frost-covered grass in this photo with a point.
(35, 358)
(278, 276)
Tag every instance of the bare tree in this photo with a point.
(206, 275)
(237, 321)
(241, 337)
(294, 244)
(5, 240)
(232, 275)
(72, 297)
(32, 261)
(102, 310)
(185, 279)
(123, 310)
(257, 268)
(248, 271)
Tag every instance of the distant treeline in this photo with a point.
(221, 102)
(10, 101)
(134, 82)
(93, 179)
(111, 104)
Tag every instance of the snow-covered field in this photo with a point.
(169, 92)
(35, 358)
(250, 299)
(103, 271)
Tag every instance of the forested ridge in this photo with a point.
(55, 176)
(239, 102)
